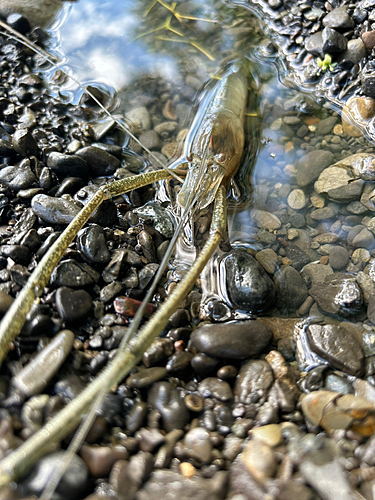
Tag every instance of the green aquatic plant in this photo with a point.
(325, 64)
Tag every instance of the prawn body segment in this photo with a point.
(215, 142)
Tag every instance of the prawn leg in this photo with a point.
(13, 321)
(21, 460)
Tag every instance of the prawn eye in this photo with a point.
(221, 158)
(189, 157)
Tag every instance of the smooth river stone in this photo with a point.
(248, 285)
(339, 294)
(54, 210)
(311, 165)
(239, 340)
(35, 376)
(338, 346)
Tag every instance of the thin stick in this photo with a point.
(19, 462)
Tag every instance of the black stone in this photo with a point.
(69, 185)
(73, 305)
(239, 340)
(74, 274)
(67, 165)
(92, 245)
(166, 399)
(99, 161)
(18, 177)
(19, 253)
(248, 285)
(333, 41)
(24, 143)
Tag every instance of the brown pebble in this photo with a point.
(286, 262)
(99, 459)
(169, 110)
(187, 470)
(194, 402)
(368, 38)
(226, 372)
(324, 260)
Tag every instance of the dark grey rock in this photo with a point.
(339, 19)
(99, 161)
(91, 243)
(355, 52)
(73, 305)
(74, 274)
(67, 165)
(248, 285)
(338, 257)
(325, 126)
(338, 346)
(338, 295)
(239, 340)
(20, 254)
(310, 166)
(105, 214)
(18, 177)
(24, 143)
(368, 81)
(297, 256)
(314, 45)
(253, 382)
(54, 210)
(333, 41)
(69, 185)
(166, 399)
(290, 288)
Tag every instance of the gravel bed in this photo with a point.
(278, 405)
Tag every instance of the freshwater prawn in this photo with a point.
(211, 157)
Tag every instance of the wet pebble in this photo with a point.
(74, 274)
(213, 387)
(232, 340)
(166, 399)
(259, 460)
(248, 285)
(34, 377)
(67, 165)
(253, 382)
(339, 294)
(54, 210)
(338, 346)
(198, 444)
(91, 243)
(18, 177)
(338, 257)
(73, 305)
(99, 161)
(24, 143)
(290, 287)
